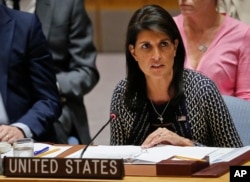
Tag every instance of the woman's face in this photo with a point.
(154, 53)
(195, 6)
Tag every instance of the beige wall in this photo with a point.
(110, 19)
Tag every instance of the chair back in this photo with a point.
(240, 112)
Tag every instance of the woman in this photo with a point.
(216, 45)
(159, 101)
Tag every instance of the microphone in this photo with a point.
(112, 117)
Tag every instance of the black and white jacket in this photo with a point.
(208, 118)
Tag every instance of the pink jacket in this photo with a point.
(227, 59)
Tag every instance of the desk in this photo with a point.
(131, 174)
(223, 178)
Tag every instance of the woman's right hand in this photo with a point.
(165, 136)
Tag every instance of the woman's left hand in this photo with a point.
(165, 136)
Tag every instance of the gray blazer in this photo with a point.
(68, 30)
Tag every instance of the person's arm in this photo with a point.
(243, 69)
(119, 128)
(82, 75)
(46, 105)
(223, 131)
(165, 136)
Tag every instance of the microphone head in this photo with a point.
(113, 115)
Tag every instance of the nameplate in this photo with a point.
(171, 167)
(63, 168)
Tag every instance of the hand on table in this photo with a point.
(165, 136)
(10, 133)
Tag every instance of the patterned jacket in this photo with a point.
(209, 118)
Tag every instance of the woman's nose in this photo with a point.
(156, 54)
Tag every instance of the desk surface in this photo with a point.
(130, 175)
(127, 178)
(223, 178)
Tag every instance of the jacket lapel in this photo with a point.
(6, 38)
(44, 10)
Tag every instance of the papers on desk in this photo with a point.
(136, 155)
(39, 146)
(227, 154)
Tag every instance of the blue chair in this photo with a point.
(240, 112)
(73, 140)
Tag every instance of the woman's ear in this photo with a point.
(132, 51)
(176, 42)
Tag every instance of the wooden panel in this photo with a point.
(128, 4)
(110, 18)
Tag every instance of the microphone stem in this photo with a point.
(83, 151)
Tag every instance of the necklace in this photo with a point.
(202, 47)
(159, 115)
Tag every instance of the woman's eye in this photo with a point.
(164, 44)
(145, 46)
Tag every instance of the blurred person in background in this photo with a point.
(238, 9)
(29, 97)
(216, 45)
(69, 33)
